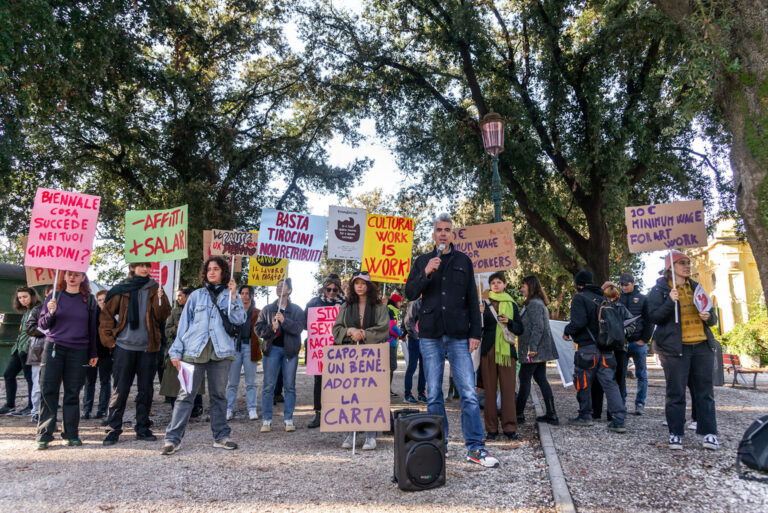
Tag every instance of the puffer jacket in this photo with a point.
(668, 338)
(37, 340)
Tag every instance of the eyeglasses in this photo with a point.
(331, 289)
(359, 273)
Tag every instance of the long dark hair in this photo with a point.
(371, 293)
(85, 287)
(223, 264)
(534, 289)
(34, 299)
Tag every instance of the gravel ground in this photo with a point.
(637, 472)
(274, 472)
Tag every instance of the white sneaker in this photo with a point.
(230, 414)
(370, 444)
(253, 414)
(674, 443)
(481, 457)
(710, 442)
(693, 425)
(289, 426)
(347, 443)
(266, 426)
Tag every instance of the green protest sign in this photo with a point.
(156, 235)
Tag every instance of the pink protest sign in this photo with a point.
(61, 230)
(319, 324)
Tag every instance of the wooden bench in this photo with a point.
(732, 363)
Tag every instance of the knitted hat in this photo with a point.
(583, 278)
(395, 297)
(676, 257)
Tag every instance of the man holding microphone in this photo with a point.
(449, 323)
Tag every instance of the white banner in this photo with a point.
(346, 233)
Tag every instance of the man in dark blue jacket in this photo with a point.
(638, 341)
(589, 361)
(449, 322)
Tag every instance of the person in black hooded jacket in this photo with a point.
(589, 361)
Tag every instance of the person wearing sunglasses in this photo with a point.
(330, 295)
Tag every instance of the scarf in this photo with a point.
(502, 349)
(215, 290)
(132, 285)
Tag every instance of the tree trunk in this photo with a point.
(742, 97)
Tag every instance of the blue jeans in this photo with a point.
(639, 354)
(273, 363)
(243, 359)
(414, 359)
(433, 352)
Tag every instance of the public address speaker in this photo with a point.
(419, 450)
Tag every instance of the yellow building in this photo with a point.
(728, 272)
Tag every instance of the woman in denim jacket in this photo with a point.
(203, 341)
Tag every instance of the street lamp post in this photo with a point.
(492, 126)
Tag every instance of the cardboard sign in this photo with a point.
(232, 243)
(208, 248)
(61, 230)
(37, 275)
(355, 388)
(491, 247)
(667, 226)
(388, 248)
(319, 324)
(156, 235)
(265, 271)
(292, 236)
(164, 273)
(346, 232)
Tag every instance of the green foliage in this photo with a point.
(751, 337)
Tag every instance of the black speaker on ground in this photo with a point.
(419, 450)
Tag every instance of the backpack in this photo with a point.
(753, 449)
(611, 322)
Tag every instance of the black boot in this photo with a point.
(550, 417)
(315, 422)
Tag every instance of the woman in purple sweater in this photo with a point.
(70, 316)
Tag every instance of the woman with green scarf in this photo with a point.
(498, 360)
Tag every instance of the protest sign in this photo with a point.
(156, 235)
(164, 273)
(61, 230)
(667, 226)
(388, 247)
(355, 388)
(346, 232)
(701, 299)
(491, 247)
(319, 323)
(37, 275)
(209, 245)
(481, 283)
(232, 243)
(265, 271)
(292, 236)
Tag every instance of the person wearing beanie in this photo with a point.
(330, 295)
(129, 324)
(687, 349)
(589, 362)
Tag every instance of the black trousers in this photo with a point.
(621, 380)
(318, 393)
(159, 362)
(103, 371)
(696, 364)
(16, 364)
(127, 365)
(67, 368)
(537, 371)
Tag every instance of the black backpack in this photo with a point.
(611, 322)
(753, 450)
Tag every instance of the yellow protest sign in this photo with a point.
(264, 270)
(388, 247)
